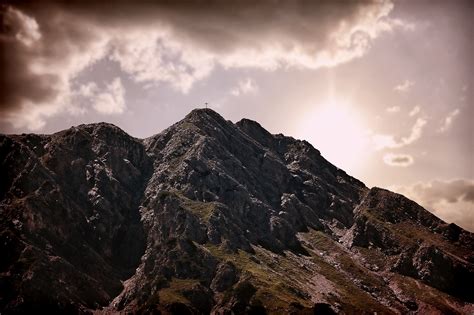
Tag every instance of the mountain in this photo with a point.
(209, 216)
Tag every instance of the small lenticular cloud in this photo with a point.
(401, 160)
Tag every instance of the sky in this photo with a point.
(383, 89)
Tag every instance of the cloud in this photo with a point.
(154, 57)
(382, 141)
(393, 109)
(414, 111)
(45, 46)
(39, 59)
(107, 100)
(245, 86)
(27, 27)
(448, 121)
(400, 160)
(111, 100)
(416, 131)
(451, 200)
(404, 86)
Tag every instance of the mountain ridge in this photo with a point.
(213, 217)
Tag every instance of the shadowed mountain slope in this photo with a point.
(213, 217)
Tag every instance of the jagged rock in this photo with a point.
(213, 217)
(226, 276)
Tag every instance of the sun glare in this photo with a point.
(338, 131)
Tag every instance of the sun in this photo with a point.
(337, 129)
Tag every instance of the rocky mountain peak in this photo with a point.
(203, 113)
(206, 119)
(209, 216)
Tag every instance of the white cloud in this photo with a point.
(31, 116)
(154, 56)
(111, 100)
(382, 141)
(404, 86)
(416, 131)
(400, 160)
(414, 111)
(88, 90)
(448, 121)
(28, 31)
(451, 200)
(245, 86)
(393, 109)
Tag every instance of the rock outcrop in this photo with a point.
(213, 217)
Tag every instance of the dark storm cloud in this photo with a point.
(219, 24)
(17, 82)
(25, 42)
(45, 44)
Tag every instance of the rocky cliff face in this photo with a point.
(213, 217)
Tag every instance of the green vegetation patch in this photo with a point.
(201, 209)
(273, 290)
(173, 293)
